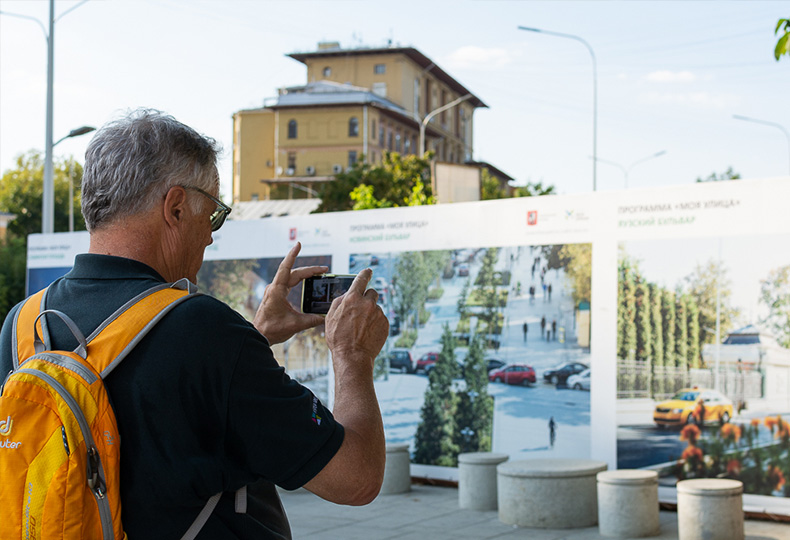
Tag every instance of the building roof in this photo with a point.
(329, 94)
(496, 172)
(410, 52)
(273, 208)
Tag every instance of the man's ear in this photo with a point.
(174, 208)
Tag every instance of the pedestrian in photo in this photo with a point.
(554, 328)
(542, 325)
(549, 291)
(552, 431)
(525, 329)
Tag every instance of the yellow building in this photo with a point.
(357, 102)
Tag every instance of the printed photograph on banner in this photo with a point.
(240, 283)
(703, 359)
(489, 350)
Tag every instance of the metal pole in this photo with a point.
(71, 195)
(48, 196)
(595, 89)
(773, 124)
(434, 113)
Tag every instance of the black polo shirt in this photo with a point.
(202, 407)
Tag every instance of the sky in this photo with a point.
(670, 76)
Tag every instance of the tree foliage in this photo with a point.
(434, 439)
(534, 190)
(775, 295)
(398, 181)
(729, 174)
(783, 45)
(12, 273)
(474, 416)
(704, 284)
(578, 268)
(21, 189)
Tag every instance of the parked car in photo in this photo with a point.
(580, 381)
(680, 409)
(494, 363)
(401, 360)
(513, 374)
(559, 374)
(463, 270)
(426, 362)
(374, 260)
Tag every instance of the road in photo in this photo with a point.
(521, 413)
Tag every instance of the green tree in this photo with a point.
(668, 323)
(708, 285)
(681, 330)
(775, 294)
(783, 45)
(474, 416)
(12, 273)
(21, 189)
(534, 190)
(434, 439)
(644, 336)
(656, 324)
(694, 358)
(490, 188)
(398, 181)
(226, 280)
(626, 310)
(729, 174)
(578, 269)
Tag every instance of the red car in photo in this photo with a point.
(514, 374)
(427, 361)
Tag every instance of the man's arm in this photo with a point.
(356, 330)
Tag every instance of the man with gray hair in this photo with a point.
(202, 405)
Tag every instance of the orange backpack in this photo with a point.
(59, 441)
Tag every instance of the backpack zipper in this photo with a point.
(95, 478)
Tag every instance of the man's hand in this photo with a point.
(276, 318)
(356, 327)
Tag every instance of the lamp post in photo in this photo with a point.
(73, 133)
(772, 124)
(595, 88)
(627, 170)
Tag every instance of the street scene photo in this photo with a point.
(488, 350)
(704, 360)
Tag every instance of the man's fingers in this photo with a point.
(361, 281)
(303, 272)
(283, 275)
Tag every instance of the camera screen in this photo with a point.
(318, 292)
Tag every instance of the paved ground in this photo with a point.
(432, 513)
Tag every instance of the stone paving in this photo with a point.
(432, 513)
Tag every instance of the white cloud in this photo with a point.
(666, 76)
(691, 99)
(479, 57)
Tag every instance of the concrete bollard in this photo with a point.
(548, 493)
(710, 508)
(397, 470)
(477, 480)
(628, 503)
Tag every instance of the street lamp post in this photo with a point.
(433, 113)
(595, 89)
(773, 124)
(48, 195)
(73, 133)
(627, 170)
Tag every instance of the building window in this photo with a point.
(379, 69)
(352, 157)
(373, 129)
(292, 161)
(327, 71)
(353, 127)
(254, 197)
(381, 136)
(407, 146)
(389, 141)
(397, 142)
(291, 129)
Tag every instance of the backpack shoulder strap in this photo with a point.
(23, 340)
(109, 344)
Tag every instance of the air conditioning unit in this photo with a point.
(290, 171)
(310, 170)
(279, 171)
(337, 169)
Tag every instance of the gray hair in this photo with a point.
(131, 163)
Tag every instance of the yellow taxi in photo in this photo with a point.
(689, 404)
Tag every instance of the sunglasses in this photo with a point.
(217, 216)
